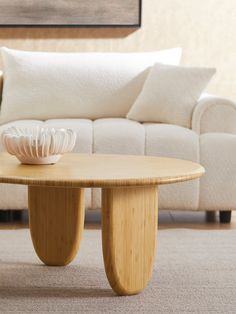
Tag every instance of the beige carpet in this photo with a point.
(195, 272)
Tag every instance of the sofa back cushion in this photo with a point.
(41, 85)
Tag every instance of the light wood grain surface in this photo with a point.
(56, 219)
(129, 228)
(95, 170)
(69, 12)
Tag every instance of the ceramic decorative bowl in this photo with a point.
(40, 146)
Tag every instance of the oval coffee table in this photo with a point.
(129, 208)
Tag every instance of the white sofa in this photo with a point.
(211, 141)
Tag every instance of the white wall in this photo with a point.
(205, 29)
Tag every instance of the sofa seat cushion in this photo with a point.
(176, 142)
(118, 136)
(83, 128)
(169, 140)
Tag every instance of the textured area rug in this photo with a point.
(195, 272)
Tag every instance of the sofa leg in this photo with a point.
(17, 215)
(5, 215)
(9, 216)
(225, 216)
(210, 216)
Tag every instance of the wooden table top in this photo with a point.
(95, 170)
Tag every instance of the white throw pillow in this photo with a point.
(41, 85)
(170, 93)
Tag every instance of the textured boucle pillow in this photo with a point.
(170, 94)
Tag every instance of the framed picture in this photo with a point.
(119, 13)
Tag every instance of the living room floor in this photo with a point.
(167, 220)
(193, 263)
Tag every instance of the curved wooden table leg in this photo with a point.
(129, 230)
(56, 217)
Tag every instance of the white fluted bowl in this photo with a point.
(39, 146)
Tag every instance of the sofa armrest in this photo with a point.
(214, 114)
(1, 85)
